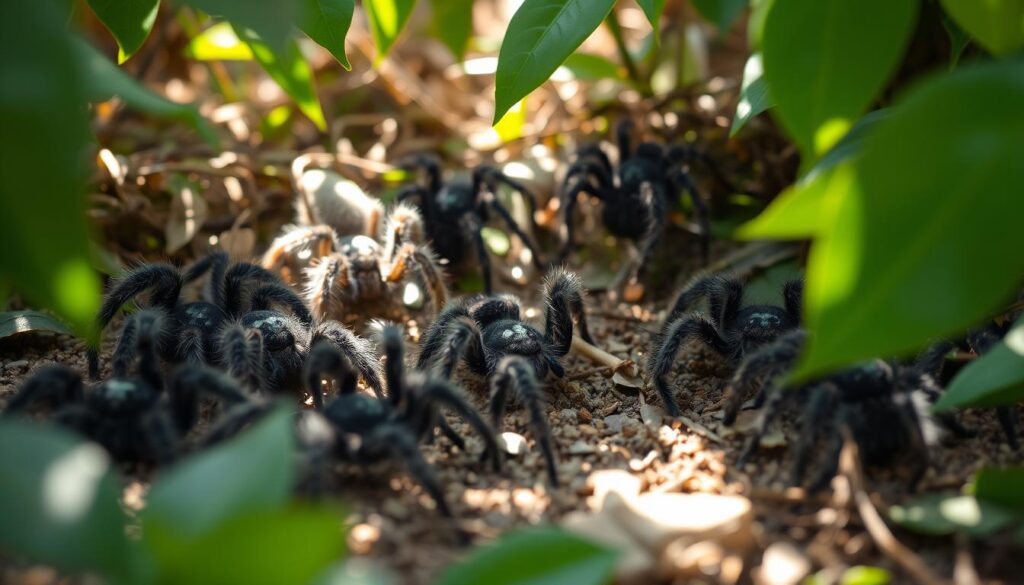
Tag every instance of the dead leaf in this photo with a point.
(239, 243)
(189, 211)
(17, 322)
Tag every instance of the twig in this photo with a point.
(612, 20)
(849, 464)
(600, 356)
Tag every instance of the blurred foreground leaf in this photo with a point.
(540, 556)
(997, 24)
(653, 9)
(452, 22)
(754, 97)
(941, 514)
(59, 501)
(721, 13)
(44, 249)
(129, 22)
(270, 20)
(387, 20)
(16, 322)
(218, 43)
(327, 22)
(1001, 486)
(994, 379)
(289, 69)
(588, 67)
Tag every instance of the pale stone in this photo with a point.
(656, 519)
(515, 444)
(782, 564)
(606, 481)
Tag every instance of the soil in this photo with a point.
(598, 426)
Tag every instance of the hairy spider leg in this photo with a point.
(563, 293)
(422, 259)
(672, 337)
(358, 350)
(55, 384)
(325, 279)
(764, 364)
(569, 198)
(516, 377)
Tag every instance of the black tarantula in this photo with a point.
(637, 196)
(129, 414)
(354, 427)
(882, 406)
(454, 212)
(488, 333)
(730, 329)
(337, 272)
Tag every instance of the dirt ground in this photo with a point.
(598, 426)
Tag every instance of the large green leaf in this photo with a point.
(540, 36)
(941, 514)
(218, 43)
(289, 69)
(589, 67)
(808, 208)
(128, 20)
(994, 379)
(44, 247)
(270, 20)
(544, 556)
(104, 80)
(387, 20)
(720, 12)
(327, 23)
(909, 255)
(997, 24)
(281, 545)
(251, 472)
(1000, 486)
(653, 9)
(754, 97)
(58, 501)
(452, 22)
(826, 61)
(17, 322)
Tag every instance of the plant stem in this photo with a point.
(612, 20)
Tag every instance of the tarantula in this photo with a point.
(192, 326)
(730, 329)
(355, 427)
(456, 211)
(883, 406)
(488, 333)
(636, 197)
(129, 414)
(357, 269)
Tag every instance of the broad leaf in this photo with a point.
(387, 20)
(934, 192)
(588, 67)
(541, 35)
(864, 575)
(58, 501)
(993, 379)
(44, 247)
(754, 97)
(327, 22)
(128, 20)
(17, 322)
(544, 556)
(945, 514)
(218, 43)
(821, 72)
(289, 69)
(104, 80)
(997, 24)
(270, 20)
(452, 22)
(721, 13)
(287, 545)
(1001, 486)
(251, 472)
(808, 207)
(653, 9)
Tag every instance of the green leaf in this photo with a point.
(755, 23)
(59, 501)
(104, 80)
(270, 20)
(721, 13)
(754, 97)
(653, 9)
(452, 22)
(958, 39)
(387, 20)
(327, 22)
(496, 240)
(821, 72)
(541, 35)
(17, 322)
(808, 207)
(941, 514)
(288, 545)
(290, 70)
(128, 20)
(863, 575)
(44, 246)
(993, 379)
(540, 556)
(997, 24)
(1001, 487)
(218, 43)
(250, 472)
(934, 192)
(588, 67)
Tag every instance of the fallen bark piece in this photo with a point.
(657, 519)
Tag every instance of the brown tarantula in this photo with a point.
(336, 272)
